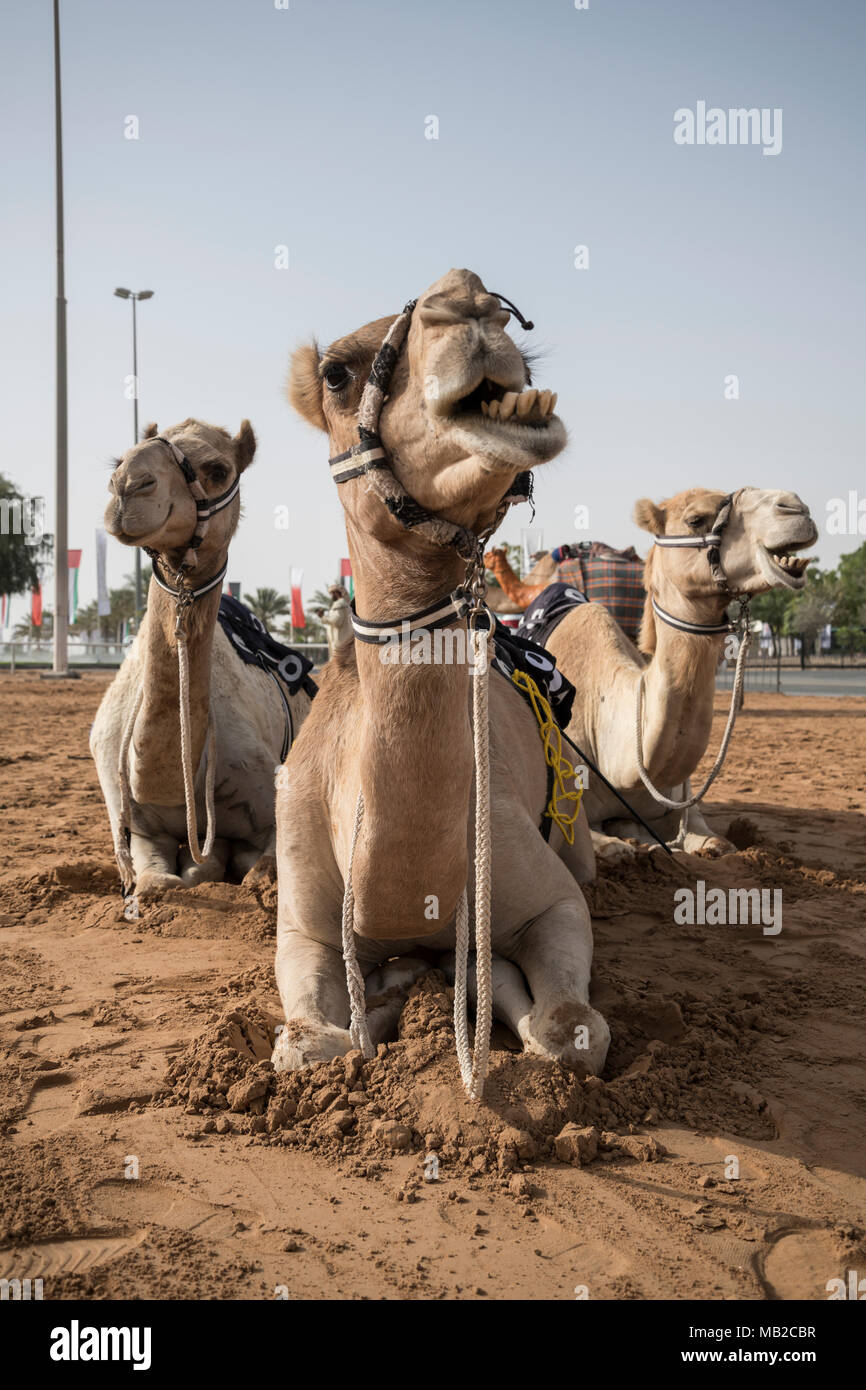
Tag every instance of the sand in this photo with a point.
(142, 1048)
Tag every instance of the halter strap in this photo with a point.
(710, 542)
(439, 614)
(191, 594)
(684, 625)
(369, 458)
(205, 506)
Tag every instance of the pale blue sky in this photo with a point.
(261, 126)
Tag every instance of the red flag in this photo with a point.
(298, 619)
(346, 576)
(36, 607)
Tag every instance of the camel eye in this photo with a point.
(215, 472)
(336, 376)
(697, 523)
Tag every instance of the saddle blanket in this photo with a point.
(551, 606)
(255, 645)
(513, 652)
(608, 576)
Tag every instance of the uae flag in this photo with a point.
(36, 607)
(74, 565)
(346, 576)
(298, 619)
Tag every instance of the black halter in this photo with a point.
(205, 507)
(711, 542)
(369, 457)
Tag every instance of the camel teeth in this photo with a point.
(544, 398)
(484, 408)
(525, 402)
(506, 408)
(493, 412)
(553, 399)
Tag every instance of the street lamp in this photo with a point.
(135, 296)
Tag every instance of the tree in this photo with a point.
(21, 560)
(268, 604)
(813, 607)
(772, 608)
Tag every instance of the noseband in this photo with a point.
(711, 542)
(205, 507)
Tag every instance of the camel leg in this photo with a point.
(154, 858)
(579, 856)
(311, 979)
(555, 955)
(253, 865)
(387, 990)
(213, 870)
(512, 1004)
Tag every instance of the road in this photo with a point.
(809, 682)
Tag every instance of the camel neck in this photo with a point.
(156, 744)
(680, 685)
(414, 749)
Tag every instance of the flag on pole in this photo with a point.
(74, 557)
(36, 607)
(298, 619)
(346, 576)
(103, 602)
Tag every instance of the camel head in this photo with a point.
(461, 419)
(760, 546)
(151, 503)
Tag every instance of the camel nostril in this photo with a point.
(133, 487)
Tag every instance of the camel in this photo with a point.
(521, 592)
(758, 551)
(401, 733)
(152, 506)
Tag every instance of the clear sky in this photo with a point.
(261, 127)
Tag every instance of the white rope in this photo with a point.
(198, 855)
(121, 848)
(736, 693)
(358, 1029)
(473, 1068)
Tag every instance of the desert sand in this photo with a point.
(147, 1151)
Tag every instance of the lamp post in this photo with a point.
(135, 296)
(61, 477)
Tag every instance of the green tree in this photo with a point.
(21, 561)
(813, 607)
(268, 604)
(772, 608)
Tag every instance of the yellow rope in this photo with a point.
(551, 736)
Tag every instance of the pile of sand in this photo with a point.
(687, 1060)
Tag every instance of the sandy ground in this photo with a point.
(726, 1043)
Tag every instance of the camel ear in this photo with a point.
(305, 387)
(649, 517)
(245, 445)
(150, 431)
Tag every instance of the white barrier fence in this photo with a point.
(24, 654)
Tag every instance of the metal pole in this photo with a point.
(61, 535)
(138, 604)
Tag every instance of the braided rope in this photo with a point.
(358, 1028)
(739, 675)
(121, 848)
(473, 1065)
(199, 855)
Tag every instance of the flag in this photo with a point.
(36, 607)
(103, 603)
(298, 619)
(346, 576)
(74, 561)
(235, 589)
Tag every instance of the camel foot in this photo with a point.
(709, 846)
(569, 1032)
(303, 1043)
(614, 852)
(212, 870)
(262, 874)
(154, 881)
